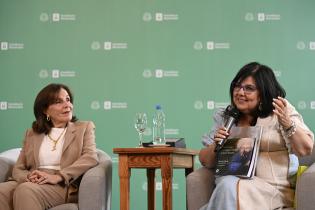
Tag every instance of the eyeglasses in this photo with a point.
(246, 88)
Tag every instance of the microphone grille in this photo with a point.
(233, 112)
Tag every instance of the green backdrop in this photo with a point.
(120, 57)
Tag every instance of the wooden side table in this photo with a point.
(165, 158)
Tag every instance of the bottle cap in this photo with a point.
(158, 106)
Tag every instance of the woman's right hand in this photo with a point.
(220, 134)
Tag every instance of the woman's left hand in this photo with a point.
(280, 109)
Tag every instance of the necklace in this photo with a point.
(55, 141)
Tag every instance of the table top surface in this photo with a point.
(155, 150)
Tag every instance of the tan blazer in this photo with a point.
(78, 153)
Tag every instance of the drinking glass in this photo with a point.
(140, 125)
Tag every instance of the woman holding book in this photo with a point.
(258, 96)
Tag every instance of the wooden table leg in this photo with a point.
(167, 176)
(124, 175)
(151, 188)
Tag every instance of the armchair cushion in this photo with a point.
(199, 184)
(305, 187)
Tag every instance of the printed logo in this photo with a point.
(55, 73)
(198, 105)
(158, 16)
(147, 17)
(107, 105)
(147, 73)
(11, 46)
(158, 186)
(210, 104)
(312, 45)
(171, 131)
(312, 104)
(55, 17)
(115, 105)
(44, 17)
(302, 105)
(95, 105)
(198, 45)
(249, 16)
(210, 45)
(43, 73)
(300, 45)
(96, 45)
(4, 46)
(3, 105)
(158, 73)
(107, 45)
(261, 17)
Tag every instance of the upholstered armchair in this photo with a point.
(200, 185)
(95, 187)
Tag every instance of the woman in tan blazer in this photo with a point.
(56, 151)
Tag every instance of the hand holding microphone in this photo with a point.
(232, 115)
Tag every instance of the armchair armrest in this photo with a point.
(199, 184)
(305, 196)
(96, 185)
(6, 166)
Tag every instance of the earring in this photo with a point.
(48, 118)
(260, 106)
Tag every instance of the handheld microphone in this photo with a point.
(232, 115)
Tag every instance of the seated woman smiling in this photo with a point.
(259, 97)
(56, 151)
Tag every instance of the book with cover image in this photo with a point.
(238, 156)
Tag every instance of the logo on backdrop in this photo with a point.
(56, 73)
(108, 45)
(159, 17)
(56, 17)
(211, 45)
(302, 45)
(108, 105)
(5, 105)
(304, 105)
(210, 105)
(159, 73)
(262, 17)
(158, 186)
(171, 131)
(11, 46)
(301, 105)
